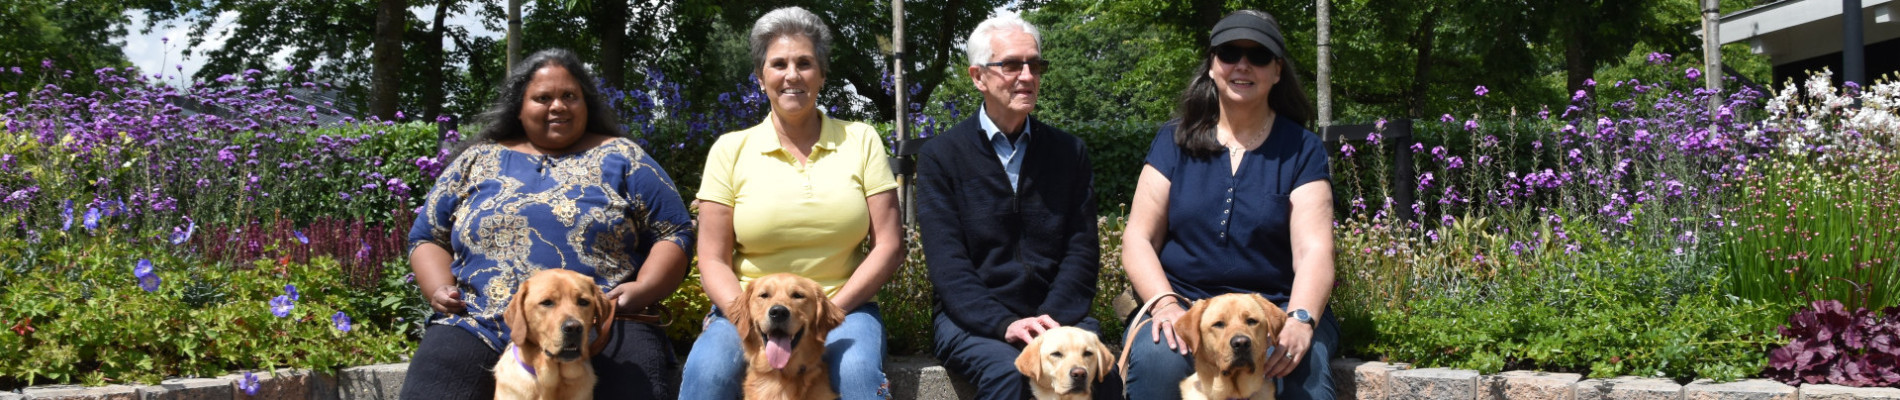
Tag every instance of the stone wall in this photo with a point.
(921, 378)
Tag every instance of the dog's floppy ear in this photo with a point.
(1104, 360)
(829, 315)
(603, 315)
(1275, 319)
(1189, 326)
(1030, 361)
(516, 317)
(741, 318)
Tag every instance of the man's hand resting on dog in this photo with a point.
(1027, 329)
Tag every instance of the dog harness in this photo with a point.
(518, 360)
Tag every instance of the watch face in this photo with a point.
(1302, 316)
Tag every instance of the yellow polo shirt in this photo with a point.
(807, 220)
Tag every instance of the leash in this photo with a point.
(1129, 342)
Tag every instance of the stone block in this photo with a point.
(1529, 385)
(1752, 389)
(1372, 380)
(920, 378)
(76, 392)
(287, 384)
(11, 396)
(189, 389)
(1434, 384)
(1345, 383)
(371, 382)
(1629, 388)
(1836, 392)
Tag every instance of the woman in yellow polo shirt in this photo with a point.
(798, 193)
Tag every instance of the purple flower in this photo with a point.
(1589, 82)
(1418, 147)
(1455, 162)
(66, 215)
(180, 236)
(301, 239)
(1693, 73)
(248, 384)
(1425, 181)
(148, 280)
(1579, 96)
(291, 290)
(1471, 125)
(1480, 91)
(1446, 118)
(341, 320)
(280, 306)
(92, 218)
(1346, 149)
(1659, 58)
(362, 254)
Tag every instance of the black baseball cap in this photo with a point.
(1244, 25)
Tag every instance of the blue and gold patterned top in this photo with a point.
(504, 215)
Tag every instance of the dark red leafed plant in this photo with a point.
(1827, 344)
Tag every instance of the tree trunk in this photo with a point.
(1577, 62)
(386, 58)
(611, 19)
(1325, 62)
(1423, 39)
(432, 92)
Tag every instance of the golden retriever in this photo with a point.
(782, 322)
(1229, 336)
(1064, 363)
(557, 318)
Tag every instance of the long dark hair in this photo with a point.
(1199, 113)
(503, 118)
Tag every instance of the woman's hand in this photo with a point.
(447, 299)
(1295, 338)
(1163, 317)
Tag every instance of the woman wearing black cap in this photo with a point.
(1235, 199)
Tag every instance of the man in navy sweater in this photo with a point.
(1007, 208)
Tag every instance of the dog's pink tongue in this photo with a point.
(778, 351)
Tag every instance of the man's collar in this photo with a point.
(990, 130)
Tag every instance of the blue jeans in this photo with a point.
(1155, 372)
(715, 370)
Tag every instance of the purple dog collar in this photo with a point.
(518, 360)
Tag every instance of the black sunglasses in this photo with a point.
(1259, 56)
(1013, 67)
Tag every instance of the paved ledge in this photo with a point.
(1434, 383)
(189, 389)
(1752, 389)
(1529, 385)
(919, 377)
(1832, 392)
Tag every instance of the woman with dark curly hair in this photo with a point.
(550, 182)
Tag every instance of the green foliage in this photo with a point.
(1104, 69)
(1605, 315)
(1802, 234)
(75, 36)
(80, 316)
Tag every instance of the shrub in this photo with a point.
(1826, 344)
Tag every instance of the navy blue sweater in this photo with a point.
(997, 255)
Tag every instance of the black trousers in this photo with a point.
(453, 364)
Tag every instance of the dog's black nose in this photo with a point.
(1241, 343)
(571, 328)
(778, 313)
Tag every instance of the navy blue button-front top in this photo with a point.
(1227, 229)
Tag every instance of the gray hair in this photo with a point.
(791, 21)
(977, 47)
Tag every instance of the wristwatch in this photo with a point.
(1302, 316)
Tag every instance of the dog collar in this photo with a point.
(524, 363)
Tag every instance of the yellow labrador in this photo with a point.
(1229, 335)
(1064, 364)
(557, 319)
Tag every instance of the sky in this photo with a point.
(163, 47)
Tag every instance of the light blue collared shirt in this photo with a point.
(1009, 153)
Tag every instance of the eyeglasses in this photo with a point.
(1259, 56)
(1015, 67)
